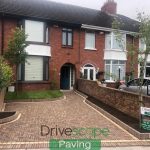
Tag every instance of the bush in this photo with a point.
(5, 74)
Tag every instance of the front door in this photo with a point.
(65, 78)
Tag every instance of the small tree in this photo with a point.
(144, 34)
(5, 74)
(16, 53)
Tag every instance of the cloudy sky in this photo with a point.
(128, 8)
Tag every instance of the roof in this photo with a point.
(53, 11)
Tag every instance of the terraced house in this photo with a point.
(67, 41)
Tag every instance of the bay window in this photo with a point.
(37, 31)
(36, 68)
(90, 40)
(112, 72)
(113, 41)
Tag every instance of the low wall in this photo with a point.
(125, 102)
(2, 95)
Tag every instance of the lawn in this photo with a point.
(48, 94)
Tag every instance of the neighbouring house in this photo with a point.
(67, 42)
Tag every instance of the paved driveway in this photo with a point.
(70, 112)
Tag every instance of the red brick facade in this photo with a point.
(78, 56)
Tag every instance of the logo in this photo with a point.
(72, 144)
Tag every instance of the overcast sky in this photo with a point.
(128, 8)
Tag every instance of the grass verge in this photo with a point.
(48, 94)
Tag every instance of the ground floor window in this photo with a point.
(115, 69)
(147, 73)
(36, 68)
(147, 70)
(89, 72)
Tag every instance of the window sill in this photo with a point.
(116, 50)
(110, 81)
(90, 49)
(38, 43)
(70, 47)
(34, 82)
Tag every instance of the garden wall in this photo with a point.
(125, 102)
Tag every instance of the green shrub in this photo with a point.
(5, 74)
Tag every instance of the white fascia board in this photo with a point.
(85, 26)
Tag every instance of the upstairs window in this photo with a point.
(142, 45)
(90, 40)
(67, 37)
(37, 31)
(113, 41)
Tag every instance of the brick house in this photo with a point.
(67, 41)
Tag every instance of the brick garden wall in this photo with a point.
(123, 101)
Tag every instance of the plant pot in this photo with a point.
(2, 96)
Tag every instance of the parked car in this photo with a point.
(133, 86)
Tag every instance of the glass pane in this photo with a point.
(70, 39)
(47, 35)
(114, 61)
(88, 65)
(119, 43)
(19, 72)
(108, 42)
(34, 30)
(121, 62)
(147, 71)
(122, 72)
(142, 45)
(90, 40)
(34, 68)
(64, 39)
(115, 72)
(85, 73)
(107, 62)
(107, 72)
(91, 74)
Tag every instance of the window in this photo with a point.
(89, 72)
(35, 69)
(142, 45)
(67, 37)
(147, 74)
(147, 70)
(114, 69)
(37, 31)
(113, 41)
(90, 40)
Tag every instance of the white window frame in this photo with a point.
(94, 35)
(88, 71)
(112, 36)
(111, 69)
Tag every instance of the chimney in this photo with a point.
(109, 7)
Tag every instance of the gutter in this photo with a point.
(85, 26)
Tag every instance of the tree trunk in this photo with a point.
(16, 79)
